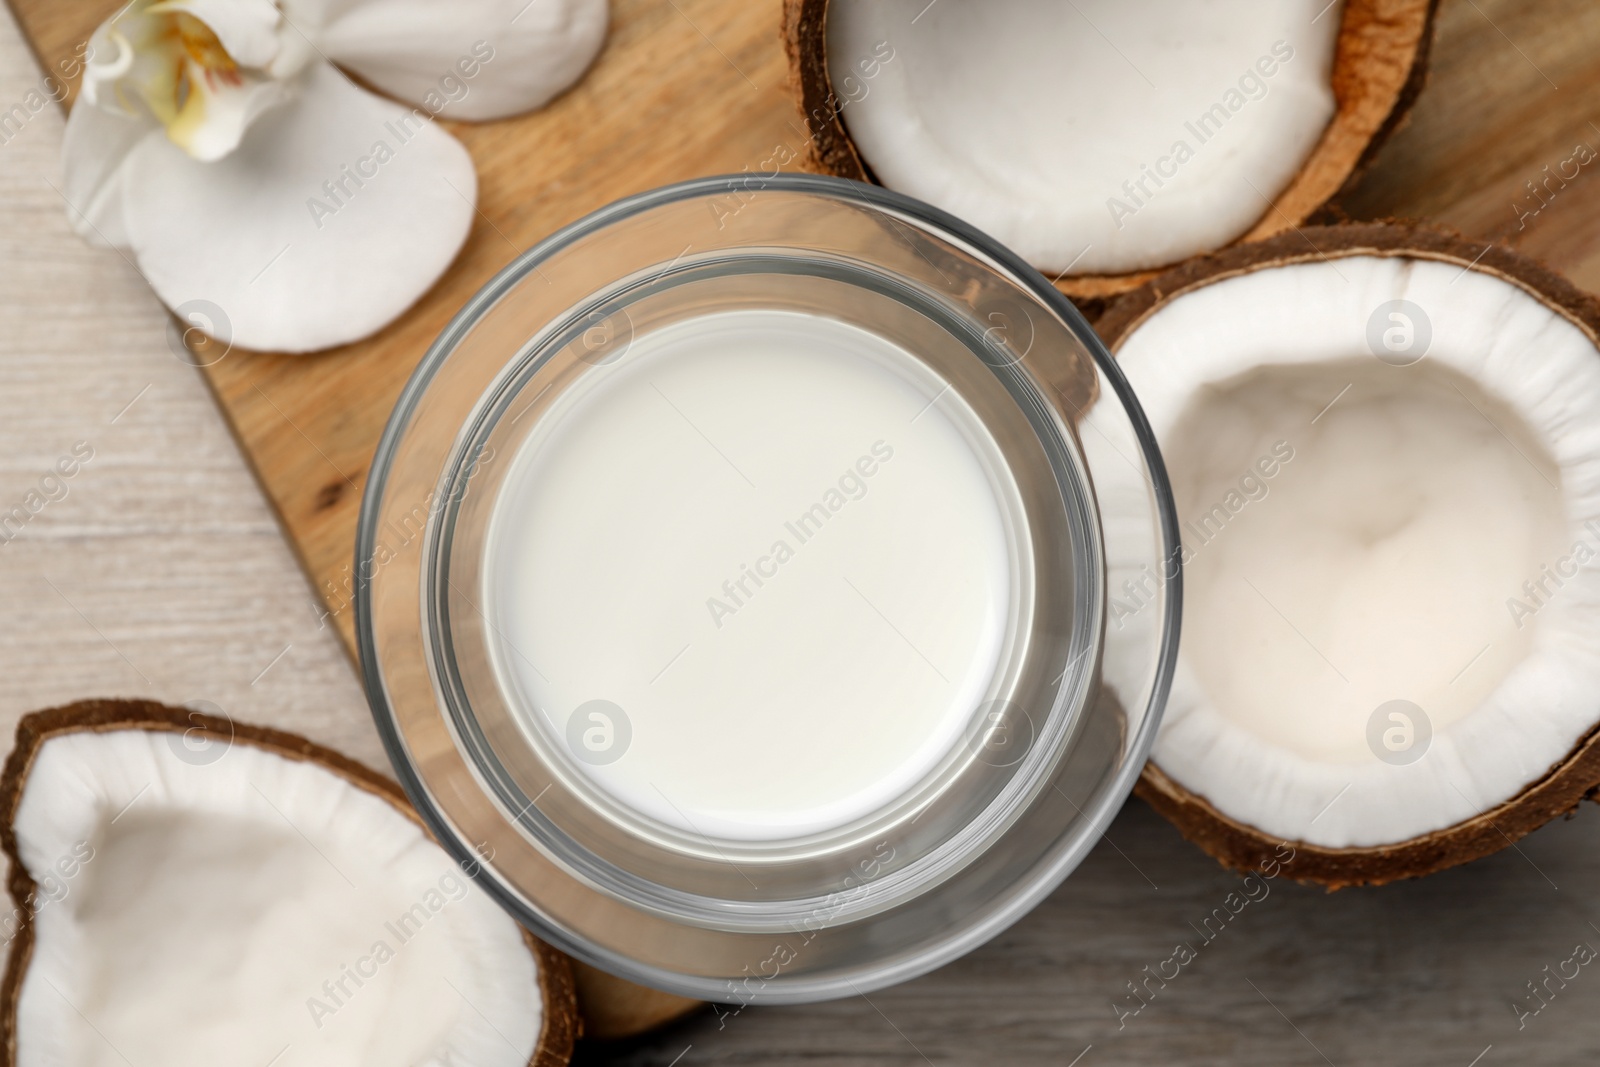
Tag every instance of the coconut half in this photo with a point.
(192, 891)
(1384, 445)
(1101, 139)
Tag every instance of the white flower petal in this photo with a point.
(309, 16)
(96, 145)
(310, 235)
(248, 29)
(206, 83)
(295, 50)
(468, 59)
(110, 57)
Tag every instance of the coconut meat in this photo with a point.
(1099, 136)
(1358, 532)
(251, 909)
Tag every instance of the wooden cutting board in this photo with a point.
(683, 88)
(693, 87)
(679, 91)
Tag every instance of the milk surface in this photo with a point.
(756, 575)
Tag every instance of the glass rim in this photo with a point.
(885, 201)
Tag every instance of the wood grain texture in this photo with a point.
(682, 89)
(157, 570)
(186, 588)
(693, 87)
(1415, 972)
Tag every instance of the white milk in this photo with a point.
(782, 547)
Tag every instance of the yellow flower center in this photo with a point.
(194, 51)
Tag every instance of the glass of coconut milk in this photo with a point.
(736, 597)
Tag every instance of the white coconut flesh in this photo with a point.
(252, 910)
(1357, 532)
(1102, 136)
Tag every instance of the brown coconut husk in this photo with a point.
(1560, 789)
(1380, 65)
(561, 1023)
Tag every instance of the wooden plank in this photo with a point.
(1510, 94)
(1402, 974)
(700, 87)
(155, 570)
(1422, 972)
(681, 89)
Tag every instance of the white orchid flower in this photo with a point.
(224, 145)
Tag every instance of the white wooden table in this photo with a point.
(158, 570)
(162, 573)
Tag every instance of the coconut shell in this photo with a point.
(561, 1024)
(1380, 65)
(1559, 790)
